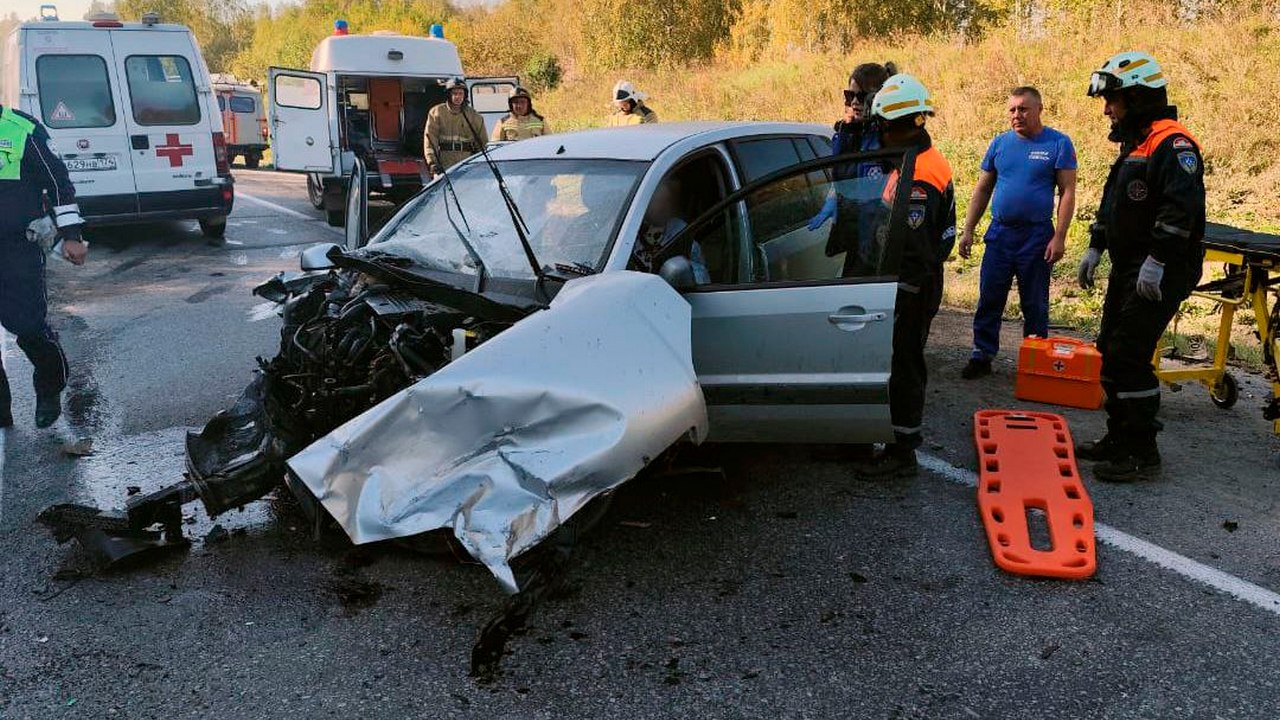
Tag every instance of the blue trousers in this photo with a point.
(1012, 252)
(23, 310)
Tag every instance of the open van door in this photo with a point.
(301, 137)
(489, 98)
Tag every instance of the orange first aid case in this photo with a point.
(1059, 371)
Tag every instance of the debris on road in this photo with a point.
(81, 447)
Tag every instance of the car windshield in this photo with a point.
(572, 208)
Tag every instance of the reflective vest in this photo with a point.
(14, 131)
(519, 128)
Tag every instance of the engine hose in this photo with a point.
(357, 351)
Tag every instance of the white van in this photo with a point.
(244, 119)
(367, 96)
(131, 109)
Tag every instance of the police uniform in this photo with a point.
(931, 224)
(33, 184)
(642, 115)
(1152, 205)
(514, 127)
(452, 136)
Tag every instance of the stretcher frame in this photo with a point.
(1252, 262)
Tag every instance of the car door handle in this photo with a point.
(840, 319)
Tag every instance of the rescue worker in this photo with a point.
(1020, 172)
(1151, 219)
(903, 107)
(631, 109)
(454, 130)
(523, 122)
(34, 187)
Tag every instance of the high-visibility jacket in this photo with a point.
(30, 168)
(514, 127)
(642, 115)
(452, 136)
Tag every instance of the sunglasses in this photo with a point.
(856, 96)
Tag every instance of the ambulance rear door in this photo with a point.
(489, 98)
(301, 133)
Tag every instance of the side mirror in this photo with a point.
(678, 272)
(357, 218)
(316, 257)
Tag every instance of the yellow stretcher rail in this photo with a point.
(1252, 262)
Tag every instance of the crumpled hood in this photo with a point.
(508, 442)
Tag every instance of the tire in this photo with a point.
(335, 218)
(214, 230)
(252, 160)
(1226, 393)
(315, 193)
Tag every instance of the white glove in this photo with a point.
(1088, 267)
(1149, 277)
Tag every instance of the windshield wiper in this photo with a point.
(481, 270)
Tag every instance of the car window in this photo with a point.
(162, 89)
(684, 193)
(222, 104)
(242, 104)
(491, 97)
(821, 222)
(75, 91)
(299, 92)
(758, 158)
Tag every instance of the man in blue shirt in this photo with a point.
(1020, 172)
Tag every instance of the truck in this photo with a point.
(130, 108)
(244, 119)
(367, 97)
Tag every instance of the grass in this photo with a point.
(1221, 75)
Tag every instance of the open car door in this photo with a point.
(301, 137)
(489, 98)
(793, 333)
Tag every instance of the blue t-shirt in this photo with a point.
(1026, 172)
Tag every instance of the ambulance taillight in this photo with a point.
(220, 154)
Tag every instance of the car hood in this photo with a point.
(506, 443)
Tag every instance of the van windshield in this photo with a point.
(162, 89)
(74, 92)
(572, 207)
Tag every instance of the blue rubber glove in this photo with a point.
(827, 212)
(1149, 277)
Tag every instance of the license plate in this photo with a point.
(87, 164)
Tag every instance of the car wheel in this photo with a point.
(252, 161)
(315, 193)
(214, 230)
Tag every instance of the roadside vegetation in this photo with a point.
(789, 60)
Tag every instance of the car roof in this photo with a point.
(643, 142)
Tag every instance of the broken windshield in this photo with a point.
(572, 209)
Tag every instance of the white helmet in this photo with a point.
(902, 95)
(625, 91)
(1126, 70)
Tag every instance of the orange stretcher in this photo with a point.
(1026, 463)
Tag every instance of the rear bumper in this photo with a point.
(196, 204)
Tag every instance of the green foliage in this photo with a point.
(650, 33)
(542, 72)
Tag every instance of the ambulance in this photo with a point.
(367, 97)
(130, 108)
(244, 119)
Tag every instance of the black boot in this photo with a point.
(896, 461)
(1104, 450)
(48, 409)
(1141, 463)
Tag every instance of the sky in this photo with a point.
(75, 9)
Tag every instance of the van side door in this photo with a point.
(299, 120)
(489, 97)
(73, 88)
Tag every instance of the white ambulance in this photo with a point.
(367, 96)
(131, 110)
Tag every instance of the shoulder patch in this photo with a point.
(1181, 143)
(915, 216)
(918, 194)
(1189, 162)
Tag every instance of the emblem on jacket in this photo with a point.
(1137, 191)
(915, 216)
(1189, 162)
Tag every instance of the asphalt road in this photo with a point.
(783, 589)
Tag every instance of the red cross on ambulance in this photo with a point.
(174, 150)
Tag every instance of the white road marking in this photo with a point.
(284, 210)
(1238, 588)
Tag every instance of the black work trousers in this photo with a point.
(23, 311)
(916, 305)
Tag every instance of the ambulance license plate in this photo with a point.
(87, 164)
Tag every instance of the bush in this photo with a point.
(542, 72)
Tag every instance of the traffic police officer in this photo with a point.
(1151, 220)
(631, 109)
(34, 187)
(522, 122)
(454, 130)
(903, 107)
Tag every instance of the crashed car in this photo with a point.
(533, 328)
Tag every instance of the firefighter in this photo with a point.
(454, 131)
(1151, 219)
(37, 207)
(902, 108)
(631, 109)
(523, 121)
